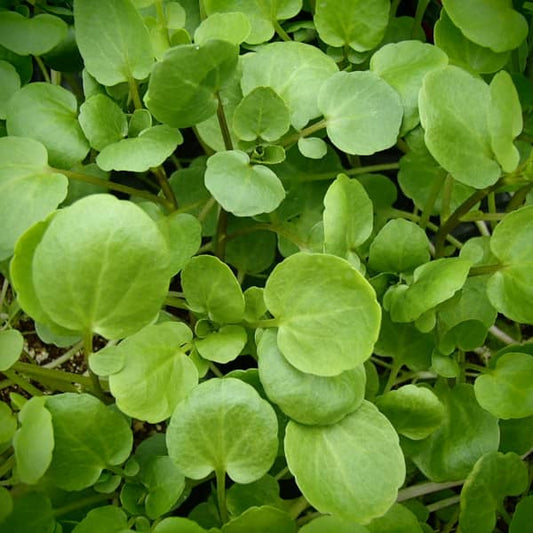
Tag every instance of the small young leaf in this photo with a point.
(224, 345)
(233, 27)
(9, 85)
(177, 524)
(312, 147)
(11, 344)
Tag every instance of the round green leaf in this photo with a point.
(332, 524)
(493, 477)
(211, 288)
(177, 524)
(522, 521)
(11, 344)
(34, 440)
(225, 426)
(8, 424)
(241, 188)
(261, 114)
(507, 390)
(30, 36)
(264, 519)
(108, 518)
(48, 114)
(101, 241)
(510, 289)
(224, 345)
(352, 469)
(113, 40)
(359, 24)
(398, 519)
(182, 88)
(89, 436)
(453, 107)
(233, 27)
(306, 398)
(295, 71)
(9, 85)
(312, 147)
(102, 121)
(413, 411)
(363, 113)
(491, 23)
(150, 149)
(327, 313)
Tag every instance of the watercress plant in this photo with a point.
(266, 266)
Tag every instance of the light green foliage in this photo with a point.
(34, 441)
(347, 217)
(413, 411)
(403, 65)
(493, 477)
(11, 344)
(400, 246)
(398, 519)
(522, 521)
(255, 306)
(326, 311)
(240, 187)
(463, 52)
(8, 423)
(102, 121)
(150, 149)
(505, 120)
(153, 358)
(140, 120)
(312, 147)
(48, 114)
(332, 524)
(466, 433)
(295, 71)
(233, 27)
(338, 467)
(510, 289)
(183, 86)
(262, 14)
(363, 113)
(225, 426)
(89, 436)
(491, 23)
(261, 114)
(113, 41)
(453, 108)
(35, 36)
(507, 390)
(32, 512)
(224, 345)
(306, 398)
(264, 519)
(211, 288)
(108, 518)
(177, 524)
(100, 241)
(9, 85)
(359, 24)
(264, 491)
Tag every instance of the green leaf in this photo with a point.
(510, 289)
(466, 433)
(264, 519)
(264, 491)
(241, 188)
(348, 217)
(48, 114)
(223, 425)
(403, 66)
(32, 512)
(233, 27)
(400, 246)
(463, 52)
(261, 114)
(183, 86)
(89, 437)
(415, 412)
(150, 149)
(113, 41)
(493, 477)
(154, 360)
(327, 313)
(359, 24)
(8, 424)
(30, 36)
(306, 398)
(102, 121)
(507, 390)
(453, 108)
(312, 147)
(522, 521)
(33, 442)
(332, 524)
(363, 113)
(494, 23)
(101, 241)
(262, 14)
(6, 504)
(177, 524)
(224, 345)
(295, 71)
(516, 435)
(352, 469)
(108, 518)
(23, 64)
(9, 85)
(505, 120)
(398, 519)
(11, 345)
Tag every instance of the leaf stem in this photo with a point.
(215, 370)
(430, 202)
(304, 133)
(176, 303)
(80, 504)
(442, 504)
(43, 69)
(7, 465)
(134, 92)
(221, 495)
(395, 368)
(160, 174)
(483, 270)
(419, 15)
(414, 491)
(49, 373)
(280, 31)
(88, 350)
(65, 357)
(22, 383)
(267, 323)
(502, 336)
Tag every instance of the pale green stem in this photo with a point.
(65, 357)
(22, 383)
(392, 376)
(304, 133)
(88, 350)
(51, 374)
(442, 504)
(43, 69)
(134, 92)
(7, 465)
(215, 370)
(422, 489)
(160, 174)
(502, 336)
(80, 504)
(221, 495)
(280, 31)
